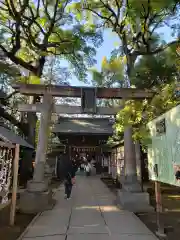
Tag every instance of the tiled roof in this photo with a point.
(96, 126)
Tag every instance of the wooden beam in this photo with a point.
(73, 91)
(6, 144)
(75, 146)
(15, 185)
(66, 109)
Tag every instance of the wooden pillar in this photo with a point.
(109, 164)
(116, 163)
(15, 185)
(113, 164)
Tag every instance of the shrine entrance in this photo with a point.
(89, 134)
(80, 153)
(84, 137)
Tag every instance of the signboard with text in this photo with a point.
(164, 150)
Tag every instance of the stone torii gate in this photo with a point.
(37, 196)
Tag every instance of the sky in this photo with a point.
(110, 42)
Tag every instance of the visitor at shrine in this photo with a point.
(88, 169)
(67, 174)
(68, 184)
(74, 170)
(69, 179)
(75, 166)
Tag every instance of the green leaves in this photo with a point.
(43, 21)
(47, 28)
(138, 114)
(155, 70)
(136, 22)
(111, 73)
(8, 69)
(34, 80)
(159, 73)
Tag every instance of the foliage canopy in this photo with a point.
(31, 30)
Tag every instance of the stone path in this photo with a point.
(89, 215)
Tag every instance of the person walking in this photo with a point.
(74, 170)
(68, 176)
(88, 169)
(68, 185)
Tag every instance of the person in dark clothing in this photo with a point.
(74, 167)
(69, 174)
(68, 184)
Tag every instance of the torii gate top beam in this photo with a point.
(73, 91)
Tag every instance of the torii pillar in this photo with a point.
(131, 196)
(37, 197)
(131, 182)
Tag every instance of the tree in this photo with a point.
(33, 31)
(136, 23)
(163, 80)
(55, 74)
(9, 73)
(155, 70)
(111, 75)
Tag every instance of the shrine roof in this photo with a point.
(8, 135)
(88, 126)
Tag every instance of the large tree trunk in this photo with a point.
(26, 171)
(29, 154)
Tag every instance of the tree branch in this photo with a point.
(106, 5)
(118, 8)
(157, 50)
(18, 61)
(13, 120)
(45, 5)
(108, 19)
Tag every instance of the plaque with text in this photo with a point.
(88, 100)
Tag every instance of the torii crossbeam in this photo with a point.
(73, 91)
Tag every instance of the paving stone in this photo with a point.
(107, 237)
(56, 237)
(91, 214)
(41, 231)
(46, 225)
(93, 229)
(125, 224)
(86, 217)
(58, 213)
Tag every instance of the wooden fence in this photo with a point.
(9, 164)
